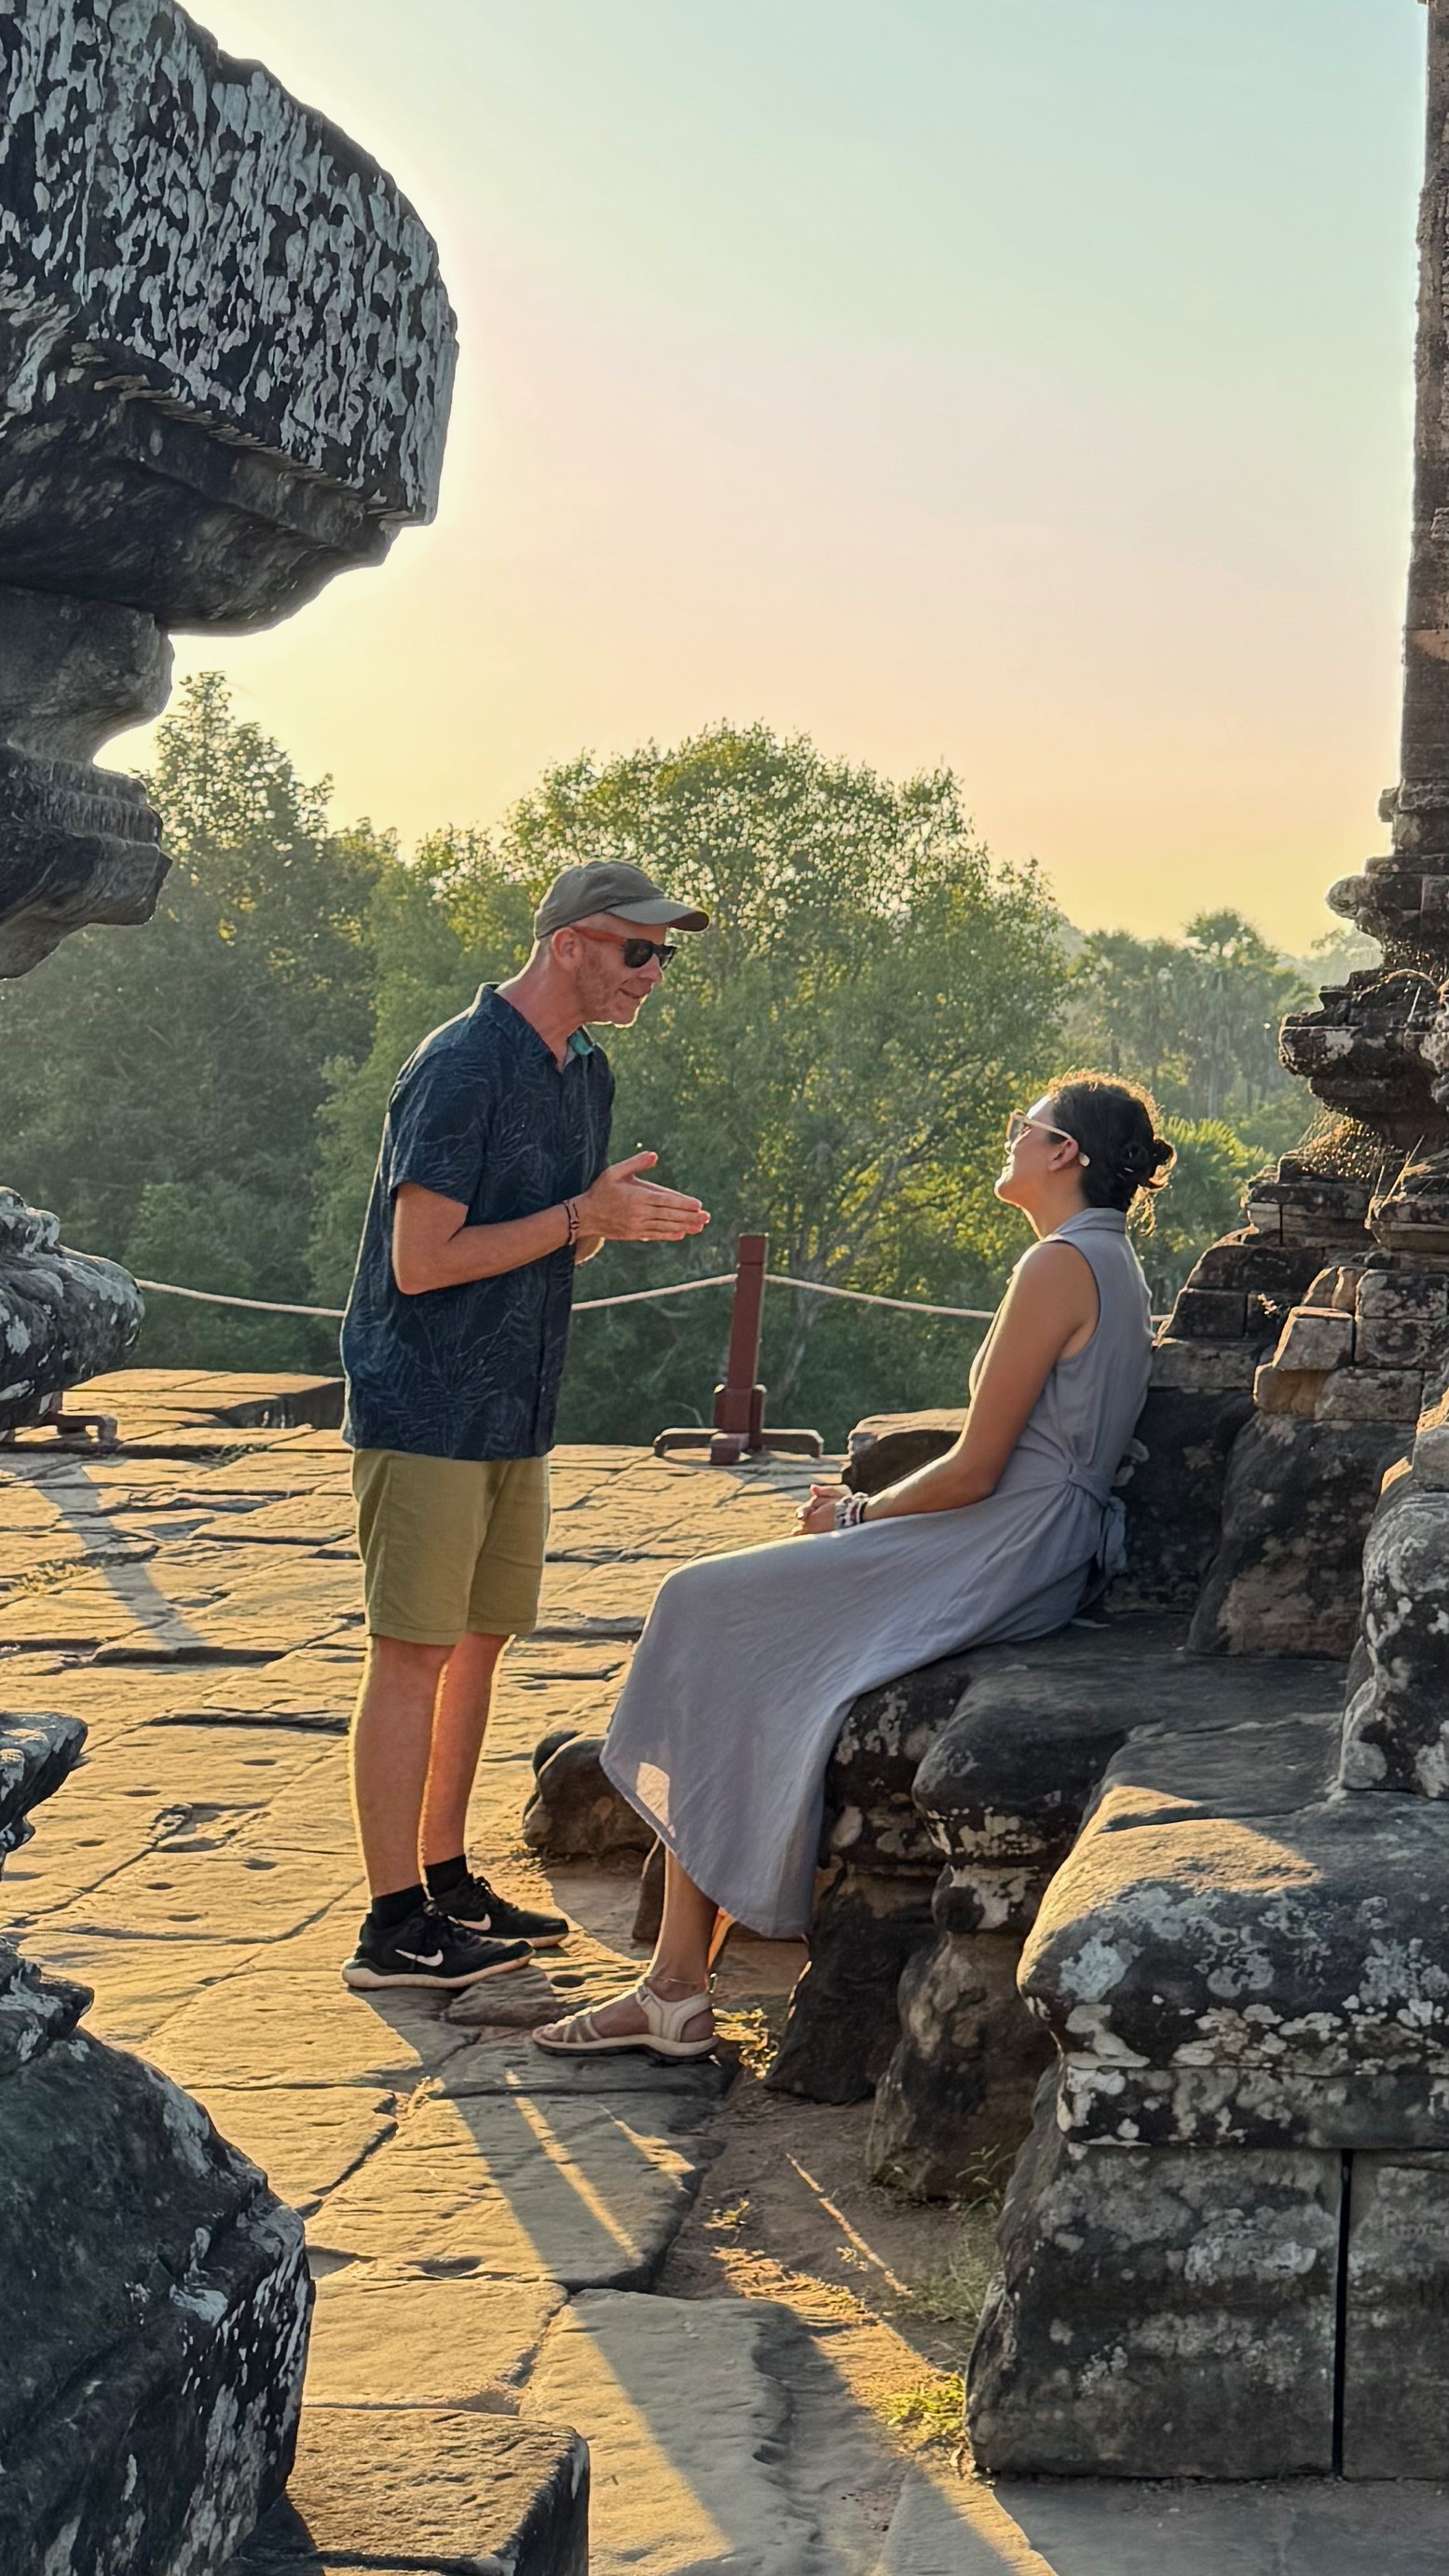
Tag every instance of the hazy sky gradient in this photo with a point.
(1022, 384)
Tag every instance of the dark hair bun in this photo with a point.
(1115, 1126)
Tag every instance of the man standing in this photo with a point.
(491, 1184)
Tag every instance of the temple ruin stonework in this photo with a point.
(226, 356)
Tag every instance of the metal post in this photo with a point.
(739, 1404)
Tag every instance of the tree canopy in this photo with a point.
(831, 1064)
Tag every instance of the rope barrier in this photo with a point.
(594, 1305)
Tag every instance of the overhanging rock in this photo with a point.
(226, 359)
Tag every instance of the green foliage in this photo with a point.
(1196, 1019)
(832, 1064)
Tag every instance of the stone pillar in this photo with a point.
(226, 356)
(1339, 1357)
(226, 359)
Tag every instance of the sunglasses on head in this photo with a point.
(636, 952)
(1019, 1125)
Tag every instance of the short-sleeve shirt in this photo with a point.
(482, 1112)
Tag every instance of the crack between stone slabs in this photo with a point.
(306, 2209)
(226, 1720)
(1340, 2322)
(112, 1653)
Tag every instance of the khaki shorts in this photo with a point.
(450, 1546)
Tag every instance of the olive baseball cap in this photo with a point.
(611, 885)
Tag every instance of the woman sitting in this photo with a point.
(749, 1663)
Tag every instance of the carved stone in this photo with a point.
(157, 2294)
(227, 356)
(64, 1315)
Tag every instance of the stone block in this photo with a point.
(1295, 1392)
(1407, 1296)
(1232, 1954)
(842, 2023)
(1209, 1315)
(871, 1817)
(954, 2103)
(1397, 1341)
(887, 1446)
(1297, 1503)
(1204, 1368)
(1160, 2314)
(576, 1814)
(1396, 2319)
(1004, 1791)
(36, 1755)
(443, 2494)
(1321, 1339)
(1012, 1776)
(1396, 1729)
(156, 2314)
(1258, 1265)
(1174, 1496)
(1373, 1396)
(726, 2439)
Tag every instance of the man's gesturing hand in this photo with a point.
(623, 1208)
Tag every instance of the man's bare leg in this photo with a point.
(679, 1967)
(392, 1737)
(460, 1721)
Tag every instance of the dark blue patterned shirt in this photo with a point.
(481, 1112)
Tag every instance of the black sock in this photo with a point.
(387, 1912)
(444, 1875)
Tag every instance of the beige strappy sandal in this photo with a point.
(662, 2038)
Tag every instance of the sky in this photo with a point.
(1020, 385)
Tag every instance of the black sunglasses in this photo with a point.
(636, 952)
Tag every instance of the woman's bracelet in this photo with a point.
(850, 1512)
(571, 1212)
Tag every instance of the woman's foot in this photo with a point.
(666, 2025)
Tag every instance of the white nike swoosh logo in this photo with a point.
(434, 1958)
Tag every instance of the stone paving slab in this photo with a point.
(587, 2194)
(225, 1894)
(137, 1984)
(307, 2138)
(720, 2440)
(384, 2335)
(313, 1688)
(439, 2494)
(1084, 2527)
(286, 2018)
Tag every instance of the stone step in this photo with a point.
(1103, 2527)
(439, 2494)
(720, 2436)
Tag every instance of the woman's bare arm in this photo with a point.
(1049, 1310)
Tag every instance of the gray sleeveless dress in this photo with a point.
(749, 1663)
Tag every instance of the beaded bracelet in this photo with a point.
(850, 1511)
(571, 1212)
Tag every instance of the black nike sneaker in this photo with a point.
(477, 1907)
(425, 1949)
